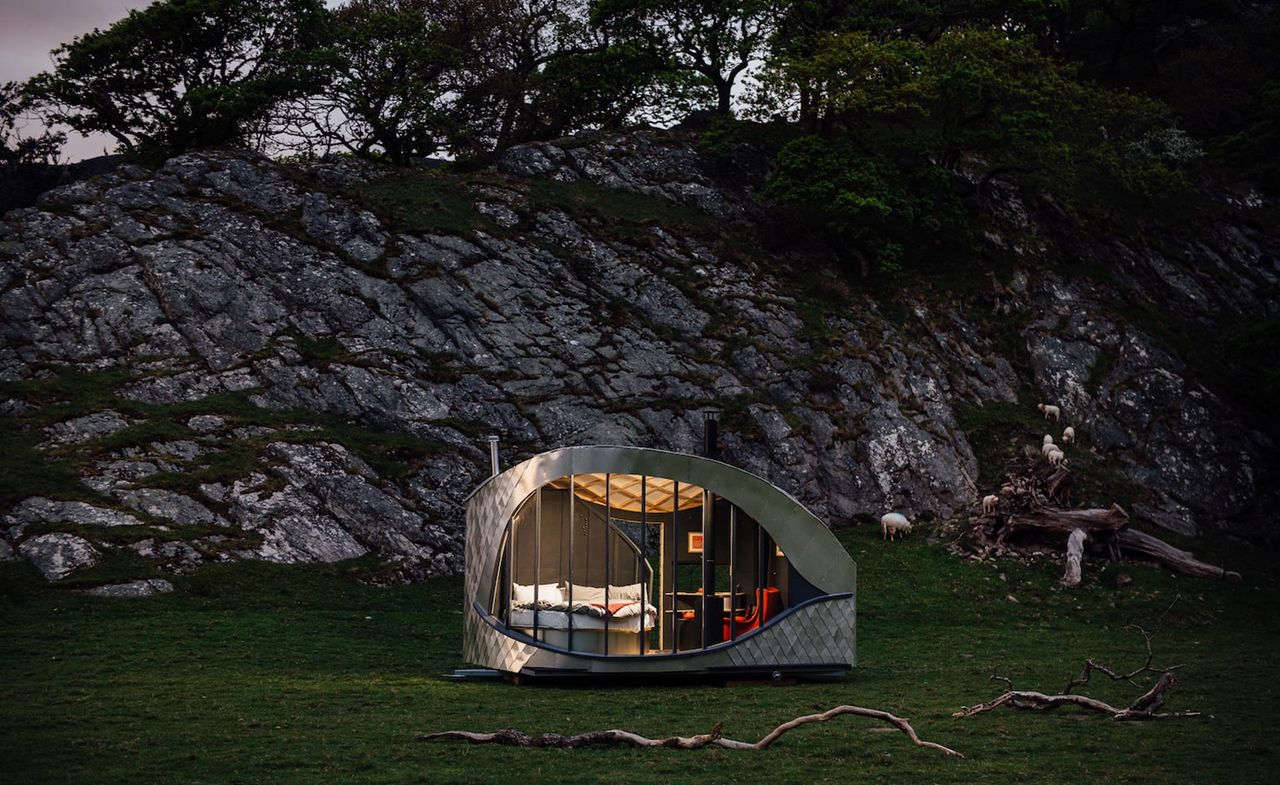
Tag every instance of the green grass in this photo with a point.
(445, 200)
(424, 201)
(264, 674)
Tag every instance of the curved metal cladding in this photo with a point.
(818, 632)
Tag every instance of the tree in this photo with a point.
(903, 122)
(16, 147)
(531, 34)
(606, 87)
(714, 40)
(182, 74)
(399, 67)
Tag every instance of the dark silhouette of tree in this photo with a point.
(182, 74)
(399, 68)
(713, 40)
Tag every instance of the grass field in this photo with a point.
(254, 673)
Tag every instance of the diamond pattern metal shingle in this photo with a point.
(820, 633)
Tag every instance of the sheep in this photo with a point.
(1047, 439)
(1057, 458)
(892, 524)
(1068, 435)
(989, 503)
(1047, 448)
(1050, 411)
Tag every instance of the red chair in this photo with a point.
(768, 604)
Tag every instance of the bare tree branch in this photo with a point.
(511, 737)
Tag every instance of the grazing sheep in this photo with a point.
(1047, 439)
(1057, 458)
(892, 524)
(1068, 435)
(1047, 448)
(1050, 411)
(989, 503)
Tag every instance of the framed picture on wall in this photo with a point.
(695, 542)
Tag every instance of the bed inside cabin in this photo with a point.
(629, 564)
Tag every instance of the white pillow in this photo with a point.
(593, 594)
(630, 592)
(523, 595)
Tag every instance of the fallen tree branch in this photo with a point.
(1091, 666)
(1063, 522)
(511, 737)
(1146, 707)
(1176, 559)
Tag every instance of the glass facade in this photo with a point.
(629, 564)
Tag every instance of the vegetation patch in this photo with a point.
(425, 200)
(292, 658)
(55, 472)
(997, 431)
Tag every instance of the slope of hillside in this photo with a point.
(229, 357)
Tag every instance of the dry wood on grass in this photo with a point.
(517, 738)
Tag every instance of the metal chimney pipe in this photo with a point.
(493, 454)
(711, 433)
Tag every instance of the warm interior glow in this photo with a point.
(624, 491)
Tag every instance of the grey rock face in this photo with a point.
(206, 423)
(133, 589)
(224, 277)
(57, 555)
(331, 508)
(38, 509)
(171, 506)
(82, 429)
(175, 555)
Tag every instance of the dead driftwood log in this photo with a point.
(516, 738)
(1063, 522)
(1109, 528)
(1145, 546)
(1146, 707)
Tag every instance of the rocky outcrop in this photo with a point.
(296, 364)
(132, 589)
(57, 555)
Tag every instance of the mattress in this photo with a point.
(625, 619)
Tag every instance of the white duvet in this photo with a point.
(586, 616)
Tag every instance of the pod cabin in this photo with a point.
(631, 561)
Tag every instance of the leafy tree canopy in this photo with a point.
(902, 122)
(186, 73)
(399, 65)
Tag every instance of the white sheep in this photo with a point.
(1057, 458)
(1047, 448)
(1068, 435)
(1050, 411)
(989, 503)
(892, 524)
(1047, 439)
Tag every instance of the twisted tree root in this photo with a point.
(511, 737)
